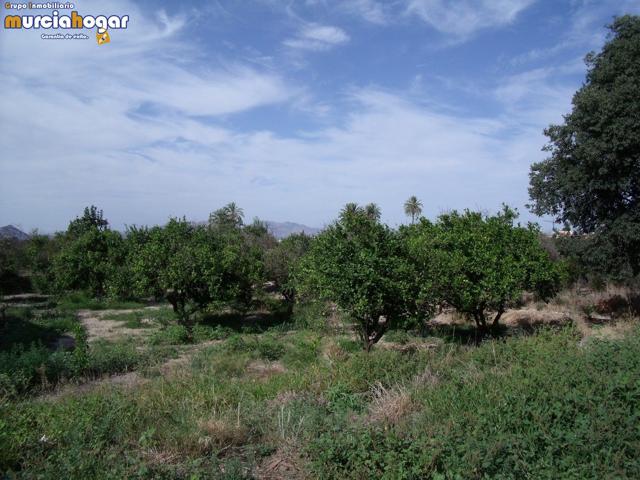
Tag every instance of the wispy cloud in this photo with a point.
(583, 30)
(317, 37)
(370, 10)
(154, 126)
(463, 18)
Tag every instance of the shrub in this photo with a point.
(194, 267)
(361, 265)
(481, 264)
(171, 335)
(270, 349)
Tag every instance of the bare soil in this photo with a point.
(100, 328)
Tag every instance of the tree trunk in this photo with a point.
(371, 333)
(481, 325)
(496, 319)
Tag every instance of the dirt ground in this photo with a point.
(100, 328)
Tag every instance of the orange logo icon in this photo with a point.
(102, 36)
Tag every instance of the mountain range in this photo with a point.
(284, 229)
(9, 231)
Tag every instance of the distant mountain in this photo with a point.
(284, 229)
(9, 231)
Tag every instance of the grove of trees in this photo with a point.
(379, 277)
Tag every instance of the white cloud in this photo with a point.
(142, 169)
(318, 37)
(584, 29)
(370, 10)
(134, 128)
(462, 18)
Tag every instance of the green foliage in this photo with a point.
(592, 178)
(41, 251)
(203, 333)
(72, 301)
(30, 362)
(359, 264)
(525, 407)
(171, 335)
(90, 255)
(309, 314)
(538, 407)
(12, 263)
(480, 264)
(270, 349)
(193, 266)
(282, 260)
(413, 208)
(228, 217)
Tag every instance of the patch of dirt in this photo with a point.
(284, 464)
(528, 318)
(174, 365)
(263, 370)
(99, 328)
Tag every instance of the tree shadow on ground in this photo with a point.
(469, 335)
(252, 322)
(460, 334)
(20, 329)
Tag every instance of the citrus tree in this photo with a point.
(481, 264)
(282, 260)
(359, 264)
(90, 253)
(193, 267)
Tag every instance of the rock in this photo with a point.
(598, 319)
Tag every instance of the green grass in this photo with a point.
(77, 300)
(538, 406)
(32, 360)
(147, 318)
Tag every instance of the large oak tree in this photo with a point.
(592, 177)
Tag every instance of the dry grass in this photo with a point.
(99, 328)
(390, 406)
(612, 300)
(222, 433)
(408, 347)
(285, 397)
(426, 378)
(603, 313)
(284, 464)
(332, 353)
(263, 370)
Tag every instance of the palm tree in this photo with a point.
(373, 211)
(230, 215)
(413, 208)
(349, 210)
(235, 214)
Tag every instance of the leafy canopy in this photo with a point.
(90, 255)
(194, 267)
(481, 264)
(592, 177)
(360, 264)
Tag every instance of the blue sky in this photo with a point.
(289, 108)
